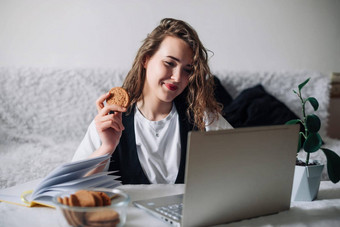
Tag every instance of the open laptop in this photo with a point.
(232, 175)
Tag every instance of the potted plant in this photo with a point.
(308, 173)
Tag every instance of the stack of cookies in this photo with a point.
(105, 217)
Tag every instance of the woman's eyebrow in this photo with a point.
(176, 59)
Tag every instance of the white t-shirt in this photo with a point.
(158, 144)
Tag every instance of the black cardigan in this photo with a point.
(125, 158)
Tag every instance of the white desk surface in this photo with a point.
(324, 211)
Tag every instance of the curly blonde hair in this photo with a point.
(200, 95)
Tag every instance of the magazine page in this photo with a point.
(69, 176)
(15, 194)
(84, 182)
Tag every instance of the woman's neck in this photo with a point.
(154, 111)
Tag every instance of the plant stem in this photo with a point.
(307, 159)
(303, 106)
(303, 102)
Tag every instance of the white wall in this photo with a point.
(244, 35)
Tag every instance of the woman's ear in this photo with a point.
(146, 61)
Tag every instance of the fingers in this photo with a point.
(113, 121)
(108, 108)
(109, 116)
(100, 101)
(104, 110)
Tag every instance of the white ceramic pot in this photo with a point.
(306, 182)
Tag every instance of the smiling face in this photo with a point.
(167, 71)
(158, 72)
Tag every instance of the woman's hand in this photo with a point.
(109, 126)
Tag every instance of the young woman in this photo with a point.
(172, 92)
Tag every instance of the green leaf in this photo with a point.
(293, 122)
(303, 84)
(313, 102)
(312, 143)
(333, 165)
(313, 123)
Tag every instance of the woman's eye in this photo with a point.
(168, 63)
(188, 71)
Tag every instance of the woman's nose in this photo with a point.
(177, 75)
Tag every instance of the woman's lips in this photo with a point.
(171, 87)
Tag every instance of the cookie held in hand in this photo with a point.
(118, 96)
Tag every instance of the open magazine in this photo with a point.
(66, 177)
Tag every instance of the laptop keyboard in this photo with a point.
(173, 211)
